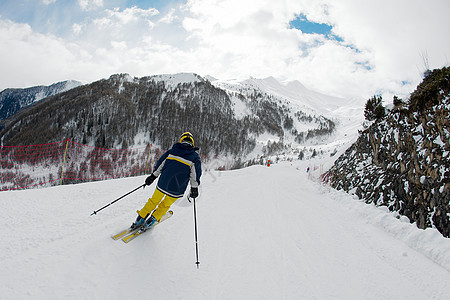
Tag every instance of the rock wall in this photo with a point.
(402, 162)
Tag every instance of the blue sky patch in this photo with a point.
(308, 27)
(366, 65)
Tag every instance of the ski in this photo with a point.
(123, 233)
(128, 235)
(137, 233)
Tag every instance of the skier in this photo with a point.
(176, 168)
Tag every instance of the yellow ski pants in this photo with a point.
(160, 201)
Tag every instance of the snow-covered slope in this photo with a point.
(293, 91)
(264, 233)
(347, 114)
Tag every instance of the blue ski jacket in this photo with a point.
(176, 168)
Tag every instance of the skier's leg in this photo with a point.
(151, 204)
(163, 207)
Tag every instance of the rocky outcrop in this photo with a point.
(402, 160)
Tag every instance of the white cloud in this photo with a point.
(131, 26)
(129, 15)
(77, 28)
(29, 58)
(169, 18)
(381, 47)
(90, 4)
(127, 24)
(48, 2)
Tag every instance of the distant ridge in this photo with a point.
(13, 100)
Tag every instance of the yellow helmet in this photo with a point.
(187, 138)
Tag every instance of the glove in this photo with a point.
(149, 180)
(194, 192)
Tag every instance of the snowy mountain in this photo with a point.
(313, 111)
(245, 120)
(14, 100)
(293, 91)
(263, 233)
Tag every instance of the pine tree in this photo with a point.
(397, 101)
(374, 109)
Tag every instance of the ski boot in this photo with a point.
(138, 223)
(148, 224)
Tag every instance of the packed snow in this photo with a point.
(263, 233)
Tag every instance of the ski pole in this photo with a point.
(196, 240)
(96, 211)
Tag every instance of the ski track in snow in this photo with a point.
(264, 233)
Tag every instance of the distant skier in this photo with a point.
(177, 167)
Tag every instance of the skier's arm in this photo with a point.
(160, 164)
(157, 170)
(196, 173)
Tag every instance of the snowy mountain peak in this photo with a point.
(210, 78)
(172, 80)
(295, 86)
(292, 91)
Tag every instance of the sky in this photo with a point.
(346, 48)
